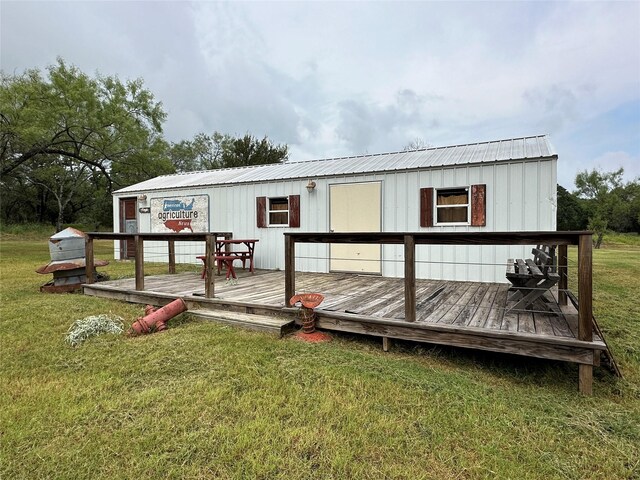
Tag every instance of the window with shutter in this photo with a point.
(478, 205)
(426, 207)
(453, 206)
(278, 211)
(261, 212)
(294, 211)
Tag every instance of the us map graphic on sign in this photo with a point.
(179, 214)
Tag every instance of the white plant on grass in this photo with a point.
(93, 325)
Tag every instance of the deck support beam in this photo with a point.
(289, 269)
(409, 278)
(210, 248)
(585, 379)
(88, 258)
(172, 255)
(139, 262)
(585, 307)
(563, 284)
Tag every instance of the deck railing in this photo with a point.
(171, 238)
(582, 239)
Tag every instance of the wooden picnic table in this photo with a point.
(224, 249)
(225, 255)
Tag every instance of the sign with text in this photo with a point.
(178, 214)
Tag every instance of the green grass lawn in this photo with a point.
(209, 401)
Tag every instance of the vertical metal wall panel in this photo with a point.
(531, 200)
(521, 195)
(116, 222)
(390, 214)
(498, 210)
(548, 195)
(515, 186)
(474, 271)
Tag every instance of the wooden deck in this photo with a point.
(464, 314)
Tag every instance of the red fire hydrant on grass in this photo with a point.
(155, 320)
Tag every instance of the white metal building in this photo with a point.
(506, 185)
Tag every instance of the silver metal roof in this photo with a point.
(536, 147)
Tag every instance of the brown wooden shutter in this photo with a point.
(294, 211)
(478, 205)
(261, 212)
(426, 207)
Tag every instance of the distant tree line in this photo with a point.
(68, 140)
(601, 201)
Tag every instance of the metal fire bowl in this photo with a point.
(68, 265)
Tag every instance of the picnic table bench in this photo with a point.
(223, 249)
(531, 278)
(224, 256)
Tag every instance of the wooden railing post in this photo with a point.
(585, 307)
(409, 278)
(289, 269)
(88, 258)
(563, 284)
(172, 255)
(139, 262)
(227, 246)
(210, 249)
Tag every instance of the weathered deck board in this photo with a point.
(526, 323)
(352, 292)
(461, 304)
(494, 319)
(468, 311)
(509, 321)
(466, 314)
(543, 324)
(560, 327)
(377, 297)
(426, 308)
(449, 302)
(479, 318)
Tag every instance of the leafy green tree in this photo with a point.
(632, 199)
(21, 201)
(219, 150)
(204, 152)
(598, 225)
(570, 214)
(65, 127)
(63, 178)
(596, 185)
(624, 207)
(248, 150)
(609, 201)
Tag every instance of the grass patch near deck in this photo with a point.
(203, 400)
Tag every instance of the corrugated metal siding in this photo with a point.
(521, 195)
(537, 147)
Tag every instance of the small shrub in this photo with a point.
(93, 325)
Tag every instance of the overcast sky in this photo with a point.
(335, 78)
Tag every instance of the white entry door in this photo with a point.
(355, 207)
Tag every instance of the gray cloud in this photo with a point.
(556, 105)
(366, 125)
(343, 78)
